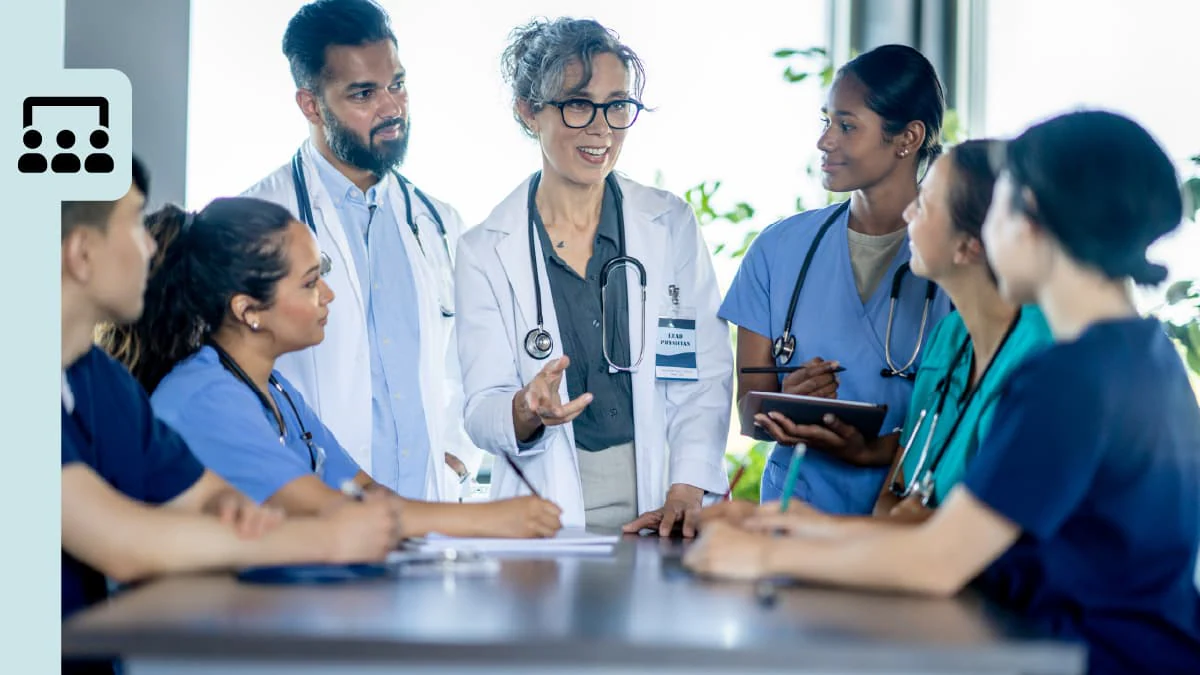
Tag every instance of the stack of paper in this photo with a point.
(568, 540)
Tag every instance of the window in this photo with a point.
(1137, 58)
(723, 109)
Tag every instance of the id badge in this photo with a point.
(675, 357)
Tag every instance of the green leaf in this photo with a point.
(718, 249)
(951, 127)
(794, 76)
(745, 244)
(1193, 346)
(1180, 291)
(827, 74)
(1191, 198)
(1177, 332)
(785, 53)
(741, 211)
(799, 204)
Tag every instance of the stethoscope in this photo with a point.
(785, 344)
(921, 481)
(316, 453)
(445, 280)
(538, 341)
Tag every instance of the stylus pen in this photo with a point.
(776, 370)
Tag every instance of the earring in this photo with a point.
(904, 153)
(254, 326)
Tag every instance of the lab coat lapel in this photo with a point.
(512, 221)
(646, 240)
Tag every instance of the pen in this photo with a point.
(520, 474)
(733, 483)
(765, 589)
(352, 490)
(777, 370)
(793, 475)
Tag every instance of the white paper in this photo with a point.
(567, 540)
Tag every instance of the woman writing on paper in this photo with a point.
(231, 289)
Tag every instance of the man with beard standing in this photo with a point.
(386, 379)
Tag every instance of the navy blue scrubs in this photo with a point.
(1094, 452)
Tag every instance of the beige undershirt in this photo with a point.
(870, 257)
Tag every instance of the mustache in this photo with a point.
(400, 122)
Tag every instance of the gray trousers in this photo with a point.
(609, 479)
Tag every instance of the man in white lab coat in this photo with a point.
(386, 379)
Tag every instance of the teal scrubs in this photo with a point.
(949, 454)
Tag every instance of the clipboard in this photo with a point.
(866, 417)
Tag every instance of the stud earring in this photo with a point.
(254, 326)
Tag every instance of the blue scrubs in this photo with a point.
(231, 431)
(1095, 455)
(107, 425)
(831, 322)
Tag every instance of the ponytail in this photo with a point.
(234, 246)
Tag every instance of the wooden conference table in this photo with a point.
(634, 611)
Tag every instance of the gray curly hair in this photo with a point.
(536, 59)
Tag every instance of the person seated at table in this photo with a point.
(970, 355)
(1081, 508)
(135, 502)
(233, 288)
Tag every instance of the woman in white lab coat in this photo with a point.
(613, 399)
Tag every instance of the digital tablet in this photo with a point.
(866, 417)
(312, 574)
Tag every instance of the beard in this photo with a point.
(378, 157)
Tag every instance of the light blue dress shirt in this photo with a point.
(399, 437)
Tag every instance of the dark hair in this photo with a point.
(1102, 186)
(95, 214)
(971, 185)
(234, 246)
(330, 23)
(902, 87)
(536, 59)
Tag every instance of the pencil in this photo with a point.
(733, 483)
(520, 474)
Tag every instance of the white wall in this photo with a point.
(148, 41)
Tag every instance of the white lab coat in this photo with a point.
(680, 428)
(335, 376)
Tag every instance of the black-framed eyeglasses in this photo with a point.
(578, 113)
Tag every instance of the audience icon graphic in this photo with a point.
(65, 159)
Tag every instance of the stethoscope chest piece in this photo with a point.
(783, 347)
(538, 343)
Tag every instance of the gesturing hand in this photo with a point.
(538, 404)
